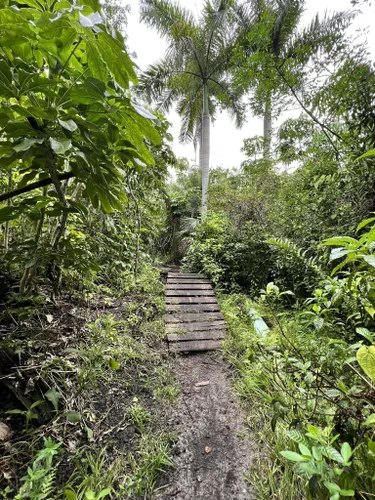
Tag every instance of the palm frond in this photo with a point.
(154, 80)
(188, 225)
(247, 13)
(170, 19)
(190, 109)
(321, 33)
(288, 13)
(231, 101)
(215, 12)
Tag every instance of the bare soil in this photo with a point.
(213, 452)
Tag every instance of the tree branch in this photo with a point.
(35, 185)
(324, 127)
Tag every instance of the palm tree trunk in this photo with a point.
(205, 148)
(267, 128)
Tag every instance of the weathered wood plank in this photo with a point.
(189, 293)
(195, 345)
(184, 337)
(192, 307)
(188, 281)
(186, 275)
(197, 326)
(192, 287)
(190, 300)
(193, 317)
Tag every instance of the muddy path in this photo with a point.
(213, 452)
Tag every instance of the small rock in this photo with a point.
(203, 383)
(5, 433)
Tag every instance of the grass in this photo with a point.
(161, 382)
(151, 459)
(135, 474)
(138, 415)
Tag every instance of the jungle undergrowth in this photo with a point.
(85, 384)
(310, 414)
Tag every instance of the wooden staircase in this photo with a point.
(193, 318)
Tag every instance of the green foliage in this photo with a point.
(138, 415)
(152, 458)
(321, 463)
(95, 475)
(38, 484)
(366, 360)
(229, 257)
(119, 356)
(305, 377)
(73, 141)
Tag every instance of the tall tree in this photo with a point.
(272, 45)
(193, 72)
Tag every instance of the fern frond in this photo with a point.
(297, 253)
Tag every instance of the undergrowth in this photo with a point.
(85, 385)
(308, 406)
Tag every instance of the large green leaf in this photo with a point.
(341, 241)
(9, 213)
(294, 457)
(366, 360)
(370, 421)
(117, 60)
(54, 396)
(60, 147)
(26, 144)
(370, 259)
(68, 125)
(365, 223)
(95, 61)
(366, 155)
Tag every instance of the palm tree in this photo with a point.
(193, 72)
(280, 41)
(278, 20)
(286, 15)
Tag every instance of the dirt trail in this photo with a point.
(213, 452)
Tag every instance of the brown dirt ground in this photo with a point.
(213, 452)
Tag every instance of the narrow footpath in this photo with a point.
(213, 454)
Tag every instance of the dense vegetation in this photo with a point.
(88, 212)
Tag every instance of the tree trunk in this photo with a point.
(267, 129)
(7, 224)
(205, 151)
(137, 244)
(28, 274)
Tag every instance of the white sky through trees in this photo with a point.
(226, 140)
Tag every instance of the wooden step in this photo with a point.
(189, 293)
(192, 307)
(190, 300)
(197, 326)
(186, 275)
(188, 281)
(184, 337)
(195, 345)
(193, 287)
(193, 317)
